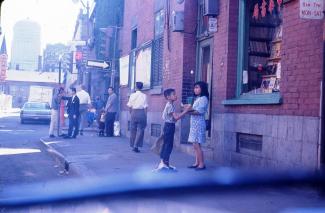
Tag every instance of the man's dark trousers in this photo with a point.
(109, 123)
(73, 126)
(166, 150)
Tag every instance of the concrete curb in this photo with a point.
(59, 158)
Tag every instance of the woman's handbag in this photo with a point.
(157, 145)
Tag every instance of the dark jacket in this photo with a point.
(72, 105)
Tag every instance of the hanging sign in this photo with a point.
(213, 24)
(311, 9)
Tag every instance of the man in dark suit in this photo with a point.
(73, 114)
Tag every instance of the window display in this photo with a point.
(264, 35)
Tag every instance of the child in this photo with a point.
(170, 117)
(101, 123)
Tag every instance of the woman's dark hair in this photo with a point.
(204, 88)
(73, 90)
(139, 85)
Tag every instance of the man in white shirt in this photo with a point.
(85, 103)
(138, 108)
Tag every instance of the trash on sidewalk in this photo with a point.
(157, 145)
(117, 128)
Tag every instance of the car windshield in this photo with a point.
(36, 106)
(118, 98)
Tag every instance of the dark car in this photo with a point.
(35, 111)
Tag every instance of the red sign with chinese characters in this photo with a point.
(3, 67)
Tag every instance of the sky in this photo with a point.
(57, 18)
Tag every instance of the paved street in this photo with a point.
(41, 159)
(23, 159)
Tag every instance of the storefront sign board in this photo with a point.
(311, 9)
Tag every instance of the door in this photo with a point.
(204, 67)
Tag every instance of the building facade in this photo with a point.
(26, 45)
(51, 58)
(262, 61)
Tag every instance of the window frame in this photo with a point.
(242, 60)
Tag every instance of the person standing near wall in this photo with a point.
(111, 110)
(54, 110)
(197, 124)
(85, 103)
(138, 109)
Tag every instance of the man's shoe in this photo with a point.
(67, 137)
(52, 136)
(135, 149)
(81, 133)
(161, 168)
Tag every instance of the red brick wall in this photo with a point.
(179, 48)
(301, 63)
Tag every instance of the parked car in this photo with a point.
(35, 111)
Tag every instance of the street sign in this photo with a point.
(98, 64)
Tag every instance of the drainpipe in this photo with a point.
(322, 126)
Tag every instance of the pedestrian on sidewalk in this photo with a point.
(138, 109)
(101, 124)
(197, 123)
(170, 117)
(99, 105)
(85, 103)
(55, 105)
(73, 114)
(111, 110)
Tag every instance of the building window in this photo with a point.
(157, 61)
(159, 23)
(260, 26)
(134, 37)
(155, 130)
(203, 20)
(157, 49)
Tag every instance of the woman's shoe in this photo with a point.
(200, 168)
(193, 166)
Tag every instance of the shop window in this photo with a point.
(261, 59)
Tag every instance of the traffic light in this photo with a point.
(78, 56)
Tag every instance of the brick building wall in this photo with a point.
(288, 131)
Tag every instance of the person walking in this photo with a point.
(111, 110)
(73, 114)
(85, 103)
(55, 105)
(138, 109)
(197, 123)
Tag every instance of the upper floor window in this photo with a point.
(159, 23)
(134, 37)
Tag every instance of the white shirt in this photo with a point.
(84, 97)
(138, 100)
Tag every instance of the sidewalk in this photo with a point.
(90, 155)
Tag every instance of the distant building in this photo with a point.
(51, 57)
(26, 45)
(18, 84)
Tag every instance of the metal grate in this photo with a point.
(157, 61)
(155, 130)
(249, 142)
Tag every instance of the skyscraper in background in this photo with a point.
(26, 45)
